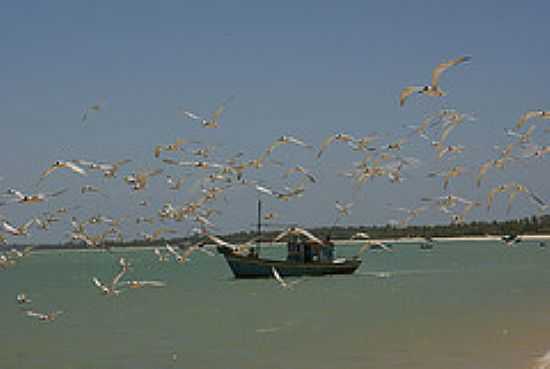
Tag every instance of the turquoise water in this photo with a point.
(461, 305)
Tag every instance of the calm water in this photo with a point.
(461, 305)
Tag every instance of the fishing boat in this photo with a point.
(306, 256)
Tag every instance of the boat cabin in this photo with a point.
(306, 251)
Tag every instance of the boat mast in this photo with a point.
(259, 229)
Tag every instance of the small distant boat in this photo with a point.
(380, 246)
(428, 244)
(304, 258)
(510, 239)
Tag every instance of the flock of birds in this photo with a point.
(213, 179)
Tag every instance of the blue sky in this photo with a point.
(307, 69)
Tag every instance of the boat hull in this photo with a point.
(246, 267)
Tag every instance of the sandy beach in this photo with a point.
(416, 240)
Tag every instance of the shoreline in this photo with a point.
(416, 240)
(339, 243)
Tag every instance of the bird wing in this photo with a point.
(84, 116)
(24, 228)
(325, 144)
(172, 162)
(188, 251)
(482, 170)
(272, 147)
(511, 197)
(16, 193)
(97, 282)
(114, 167)
(221, 242)
(527, 135)
(436, 73)
(308, 235)
(148, 283)
(9, 228)
(299, 142)
(33, 313)
(264, 190)
(217, 113)
(60, 192)
(367, 245)
(172, 250)
(537, 199)
(406, 92)
(446, 132)
(75, 168)
(278, 277)
(491, 196)
(49, 171)
(191, 115)
(119, 276)
(446, 181)
(85, 163)
(282, 235)
(158, 149)
(310, 177)
(525, 117)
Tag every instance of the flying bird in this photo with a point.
(22, 198)
(214, 121)
(109, 290)
(46, 317)
(343, 209)
(22, 230)
(433, 89)
(451, 173)
(171, 147)
(184, 257)
(139, 180)
(176, 184)
(92, 108)
(179, 258)
(162, 257)
(341, 137)
(22, 299)
(373, 245)
(63, 165)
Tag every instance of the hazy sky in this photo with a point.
(301, 68)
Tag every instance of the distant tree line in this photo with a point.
(529, 225)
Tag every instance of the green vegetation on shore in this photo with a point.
(531, 225)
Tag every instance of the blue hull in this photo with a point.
(246, 267)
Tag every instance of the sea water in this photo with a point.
(460, 305)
